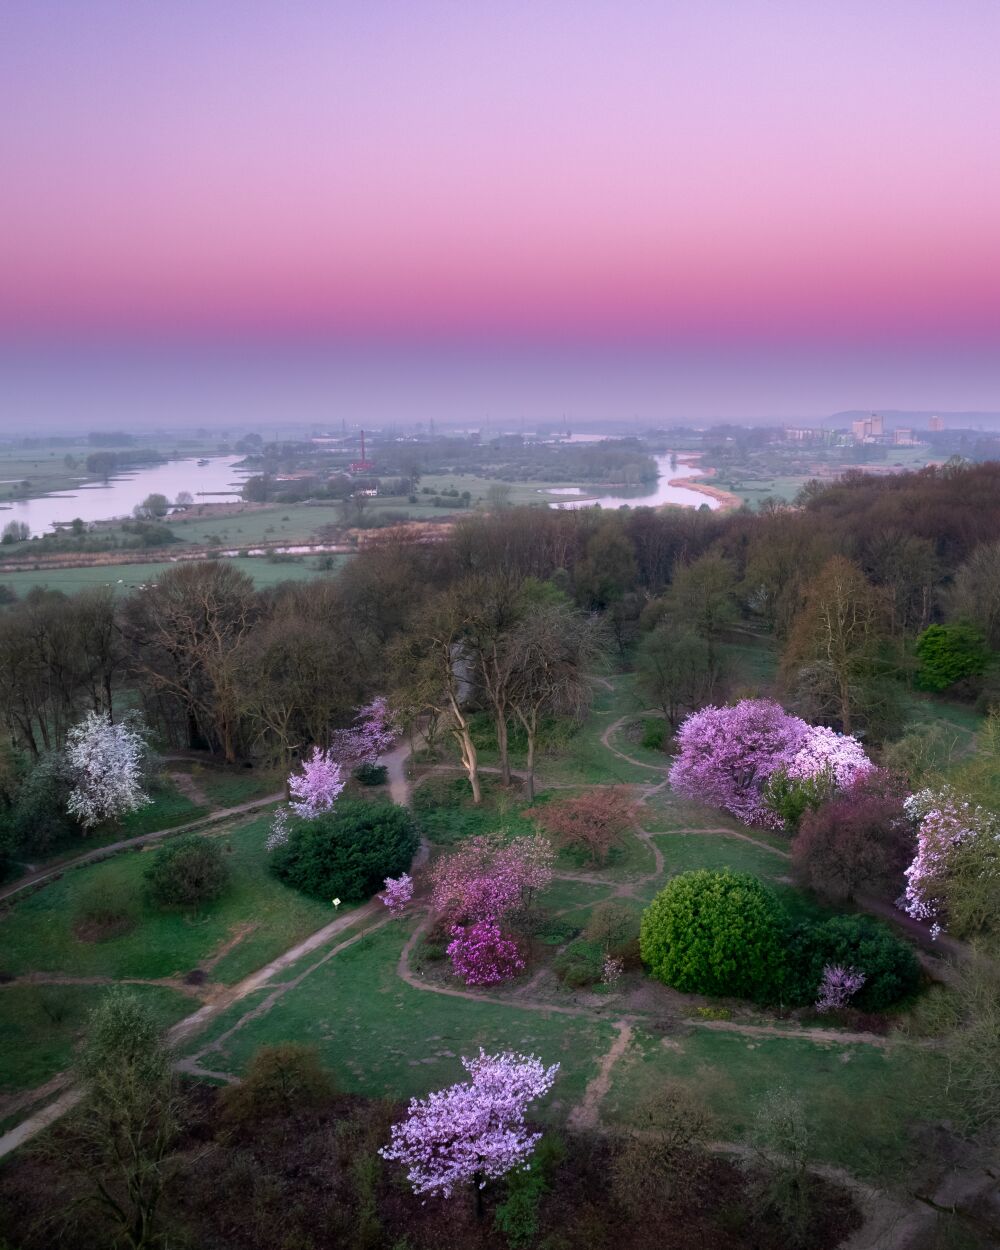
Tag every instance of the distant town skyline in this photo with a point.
(765, 210)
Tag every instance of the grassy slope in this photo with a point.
(36, 934)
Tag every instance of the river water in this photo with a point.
(102, 501)
(647, 495)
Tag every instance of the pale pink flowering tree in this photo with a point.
(105, 761)
(945, 821)
(278, 835)
(370, 736)
(838, 986)
(489, 877)
(398, 893)
(823, 752)
(474, 1131)
(480, 955)
(727, 755)
(316, 788)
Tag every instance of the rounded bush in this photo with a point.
(348, 852)
(187, 872)
(890, 966)
(715, 933)
(285, 1079)
(371, 774)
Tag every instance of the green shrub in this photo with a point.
(105, 909)
(580, 964)
(371, 774)
(790, 798)
(949, 654)
(891, 968)
(348, 852)
(517, 1216)
(281, 1080)
(187, 872)
(715, 933)
(654, 734)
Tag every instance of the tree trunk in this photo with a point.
(529, 781)
(502, 748)
(470, 760)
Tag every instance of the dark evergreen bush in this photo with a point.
(890, 966)
(348, 852)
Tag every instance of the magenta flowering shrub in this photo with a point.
(317, 787)
(489, 877)
(823, 752)
(398, 893)
(838, 986)
(473, 1131)
(727, 755)
(370, 736)
(480, 955)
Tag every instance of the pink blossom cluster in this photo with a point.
(398, 893)
(838, 986)
(317, 787)
(480, 955)
(824, 752)
(944, 822)
(370, 736)
(727, 754)
(474, 1131)
(489, 876)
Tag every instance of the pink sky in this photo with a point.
(713, 177)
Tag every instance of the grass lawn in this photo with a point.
(381, 1037)
(228, 787)
(41, 1024)
(859, 1099)
(36, 933)
(683, 852)
(447, 814)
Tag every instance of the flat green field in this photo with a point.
(380, 1036)
(858, 1099)
(125, 578)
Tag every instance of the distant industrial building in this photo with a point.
(903, 437)
(935, 425)
(868, 429)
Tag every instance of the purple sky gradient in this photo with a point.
(667, 210)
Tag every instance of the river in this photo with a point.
(102, 501)
(647, 495)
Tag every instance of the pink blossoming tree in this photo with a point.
(105, 761)
(824, 752)
(489, 877)
(480, 955)
(472, 1132)
(727, 755)
(370, 736)
(838, 986)
(316, 788)
(398, 893)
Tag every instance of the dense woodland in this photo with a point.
(845, 585)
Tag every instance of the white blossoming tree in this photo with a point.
(105, 761)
